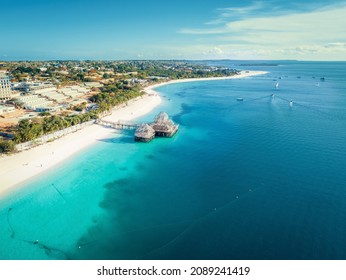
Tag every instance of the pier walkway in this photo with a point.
(161, 127)
(118, 125)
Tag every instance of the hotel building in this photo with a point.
(5, 88)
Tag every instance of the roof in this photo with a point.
(162, 117)
(144, 131)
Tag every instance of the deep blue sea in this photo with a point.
(251, 179)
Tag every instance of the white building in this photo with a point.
(36, 103)
(6, 109)
(51, 93)
(31, 86)
(54, 95)
(5, 88)
(74, 91)
(46, 90)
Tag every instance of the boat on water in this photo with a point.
(240, 99)
(323, 79)
(277, 86)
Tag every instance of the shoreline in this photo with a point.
(243, 74)
(22, 166)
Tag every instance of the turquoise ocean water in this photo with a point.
(255, 179)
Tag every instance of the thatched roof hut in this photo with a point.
(163, 126)
(162, 117)
(144, 133)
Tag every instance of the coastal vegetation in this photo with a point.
(7, 146)
(30, 129)
(111, 97)
(121, 81)
(71, 72)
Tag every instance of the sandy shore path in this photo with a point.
(18, 168)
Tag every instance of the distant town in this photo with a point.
(41, 97)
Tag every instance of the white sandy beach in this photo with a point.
(18, 168)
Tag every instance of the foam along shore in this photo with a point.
(18, 168)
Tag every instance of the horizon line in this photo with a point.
(209, 59)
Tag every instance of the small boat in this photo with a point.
(323, 79)
(291, 103)
(277, 86)
(240, 99)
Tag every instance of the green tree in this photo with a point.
(7, 146)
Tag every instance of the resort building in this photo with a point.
(6, 109)
(31, 86)
(24, 86)
(42, 88)
(36, 90)
(54, 95)
(5, 88)
(46, 97)
(35, 103)
(74, 91)
(51, 93)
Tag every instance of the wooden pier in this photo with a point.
(161, 127)
(118, 125)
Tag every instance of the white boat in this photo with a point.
(277, 86)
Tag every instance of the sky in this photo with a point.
(172, 29)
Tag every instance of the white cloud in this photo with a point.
(226, 12)
(318, 34)
(202, 31)
(236, 13)
(337, 45)
(215, 50)
(319, 27)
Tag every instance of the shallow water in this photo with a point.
(252, 179)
